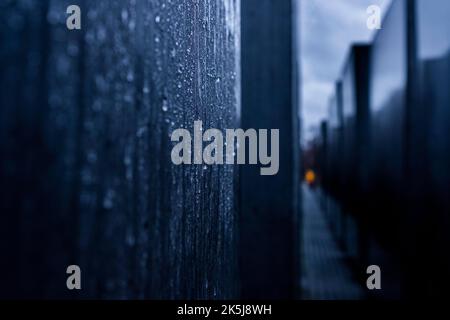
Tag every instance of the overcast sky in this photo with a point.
(328, 27)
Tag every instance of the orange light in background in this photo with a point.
(310, 177)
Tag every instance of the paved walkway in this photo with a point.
(325, 275)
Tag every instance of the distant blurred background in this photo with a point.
(376, 149)
(328, 28)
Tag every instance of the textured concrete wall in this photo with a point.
(270, 99)
(86, 175)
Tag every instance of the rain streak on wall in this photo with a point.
(85, 123)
